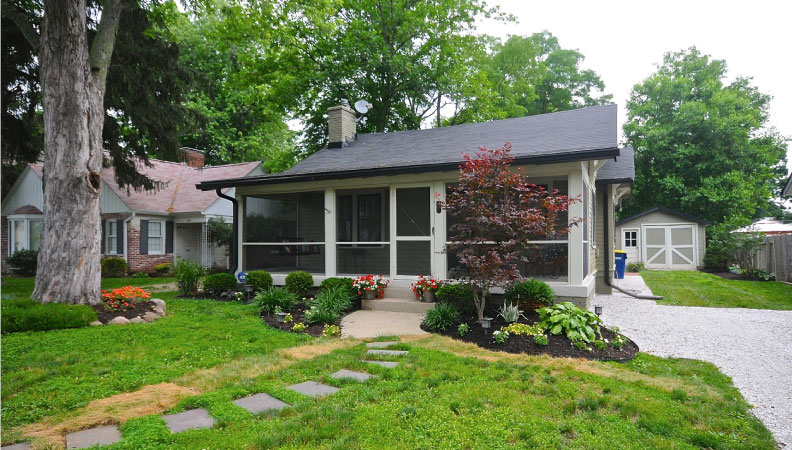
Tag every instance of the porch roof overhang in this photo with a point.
(558, 157)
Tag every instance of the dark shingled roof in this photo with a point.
(621, 170)
(667, 211)
(580, 134)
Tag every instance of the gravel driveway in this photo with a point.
(722, 336)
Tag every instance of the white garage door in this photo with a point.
(671, 247)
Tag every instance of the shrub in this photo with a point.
(458, 295)
(635, 267)
(499, 336)
(219, 283)
(261, 280)
(188, 274)
(345, 283)
(274, 297)
(328, 305)
(163, 269)
(578, 324)
(299, 283)
(441, 317)
(30, 315)
(24, 262)
(540, 339)
(531, 294)
(114, 267)
(463, 329)
(124, 298)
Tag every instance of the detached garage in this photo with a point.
(662, 238)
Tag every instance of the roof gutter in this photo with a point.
(418, 168)
(235, 230)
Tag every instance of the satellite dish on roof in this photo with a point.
(362, 106)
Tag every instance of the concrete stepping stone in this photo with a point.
(189, 420)
(344, 374)
(387, 364)
(91, 437)
(19, 446)
(313, 389)
(381, 344)
(388, 352)
(259, 403)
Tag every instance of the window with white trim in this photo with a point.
(156, 237)
(111, 227)
(631, 239)
(24, 233)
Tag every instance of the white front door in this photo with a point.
(411, 209)
(670, 247)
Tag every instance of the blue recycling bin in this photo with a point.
(621, 262)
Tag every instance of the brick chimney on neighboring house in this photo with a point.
(194, 158)
(341, 124)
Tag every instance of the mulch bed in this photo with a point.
(558, 345)
(105, 314)
(298, 316)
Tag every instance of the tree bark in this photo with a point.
(73, 84)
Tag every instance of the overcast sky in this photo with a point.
(623, 40)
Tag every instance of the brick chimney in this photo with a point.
(194, 158)
(341, 124)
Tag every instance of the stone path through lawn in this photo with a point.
(752, 346)
(201, 418)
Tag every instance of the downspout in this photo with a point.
(235, 230)
(607, 255)
(126, 236)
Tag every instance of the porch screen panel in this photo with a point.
(413, 212)
(413, 257)
(363, 259)
(363, 231)
(284, 232)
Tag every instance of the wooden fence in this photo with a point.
(775, 256)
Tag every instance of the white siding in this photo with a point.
(111, 202)
(27, 190)
(663, 218)
(221, 206)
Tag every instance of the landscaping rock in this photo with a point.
(137, 320)
(92, 437)
(259, 403)
(380, 344)
(160, 304)
(96, 323)
(358, 376)
(189, 420)
(313, 389)
(120, 321)
(386, 364)
(388, 352)
(19, 446)
(151, 316)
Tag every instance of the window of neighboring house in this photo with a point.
(156, 240)
(24, 234)
(631, 239)
(112, 237)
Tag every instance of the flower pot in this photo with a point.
(371, 295)
(429, 296)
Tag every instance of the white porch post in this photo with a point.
(439, 269)
(392, 228)
(576, 233)
(330, 232)
(240, 230)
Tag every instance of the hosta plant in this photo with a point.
(578, 324)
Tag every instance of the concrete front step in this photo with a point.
(396, 305)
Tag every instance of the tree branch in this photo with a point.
(104, 41)
(22, 23)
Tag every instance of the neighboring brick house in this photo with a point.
(144, 228)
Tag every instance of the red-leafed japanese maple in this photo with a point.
(497, 213)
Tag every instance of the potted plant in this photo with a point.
(371, 286)
(425, 288)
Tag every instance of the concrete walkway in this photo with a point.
(368, 324)
(753, 347)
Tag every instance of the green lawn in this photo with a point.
(23, 287)
(687, 288)
(444, 394)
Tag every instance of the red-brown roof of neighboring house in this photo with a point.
(27, 209)
(180, 194)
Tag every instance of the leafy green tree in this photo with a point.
(702, 145)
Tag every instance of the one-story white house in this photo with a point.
(144, 228)
(664, 239)
(369, 203)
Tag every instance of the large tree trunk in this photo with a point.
(73, 84)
